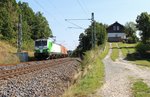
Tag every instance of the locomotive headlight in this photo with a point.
(36, 48)
(45, 47)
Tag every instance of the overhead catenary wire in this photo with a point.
(36, 1)
(87, 9)
(54, 6)
(82, 7)
(77, 26)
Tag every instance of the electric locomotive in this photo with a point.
(48, 49)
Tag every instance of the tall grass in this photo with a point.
(7, 54)
(94, 77)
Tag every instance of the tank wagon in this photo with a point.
(47, 49)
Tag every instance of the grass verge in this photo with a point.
(94, 77)
(127, 48)
(115, 52)
(140, 89)
(143, 62)
(7, 54)
(130, 49)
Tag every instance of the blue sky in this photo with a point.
(106, 11)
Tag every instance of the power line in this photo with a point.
(93, 32)
(43, 8)
(47, 11)
(76, 19)
(83, 2)
(77, 26)
(57, 10)
(82, 7)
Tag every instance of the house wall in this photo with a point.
(122, 35)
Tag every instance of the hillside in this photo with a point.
(34, 24)
(7, 54)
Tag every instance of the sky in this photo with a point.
(105, 11)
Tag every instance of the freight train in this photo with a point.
(48, 49)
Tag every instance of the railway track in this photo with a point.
(6, 74)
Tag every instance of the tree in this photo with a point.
(32, 24)
(85, 39)
(8, 10)
(6, 26)
(143, 24)
(101, 33)
(41, 27)
(130, 30)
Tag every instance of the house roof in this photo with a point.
(116, 23)
(111, 30)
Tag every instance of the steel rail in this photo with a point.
(6, 74)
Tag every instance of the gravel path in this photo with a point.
(117, 77)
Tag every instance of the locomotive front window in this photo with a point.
(40, 43)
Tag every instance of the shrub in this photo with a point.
(133, 39)
(143, 49)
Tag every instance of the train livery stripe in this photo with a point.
(50, 44)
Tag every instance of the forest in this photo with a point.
(34, 24)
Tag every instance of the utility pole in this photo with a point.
(93, 32)
(93, 40)
(19, 34)
(23, 56)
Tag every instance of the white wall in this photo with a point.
(122, 35)
(56, 48)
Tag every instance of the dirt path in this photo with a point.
(118, 77)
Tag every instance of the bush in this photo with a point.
(133, 39)
(143, 49)
(28, 45)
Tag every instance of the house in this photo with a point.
(116, 32)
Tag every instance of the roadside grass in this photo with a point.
(115, 52)
(140, 89)
(127, 48)
(94, 77)
(143, 62)
(105, 52)
(7, 54)
(128, 51)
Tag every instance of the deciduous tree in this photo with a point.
(130, 30)
(143, 24)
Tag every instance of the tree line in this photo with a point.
(142, 25)
(34, 25)
(86, 38)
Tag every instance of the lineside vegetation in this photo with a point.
(94, 77)
(34, 24)
(7, 55)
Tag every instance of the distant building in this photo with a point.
(116, 32)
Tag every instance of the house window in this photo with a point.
(116, 35)
(118, 28)
(114, 28)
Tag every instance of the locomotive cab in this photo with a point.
(41, 49)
